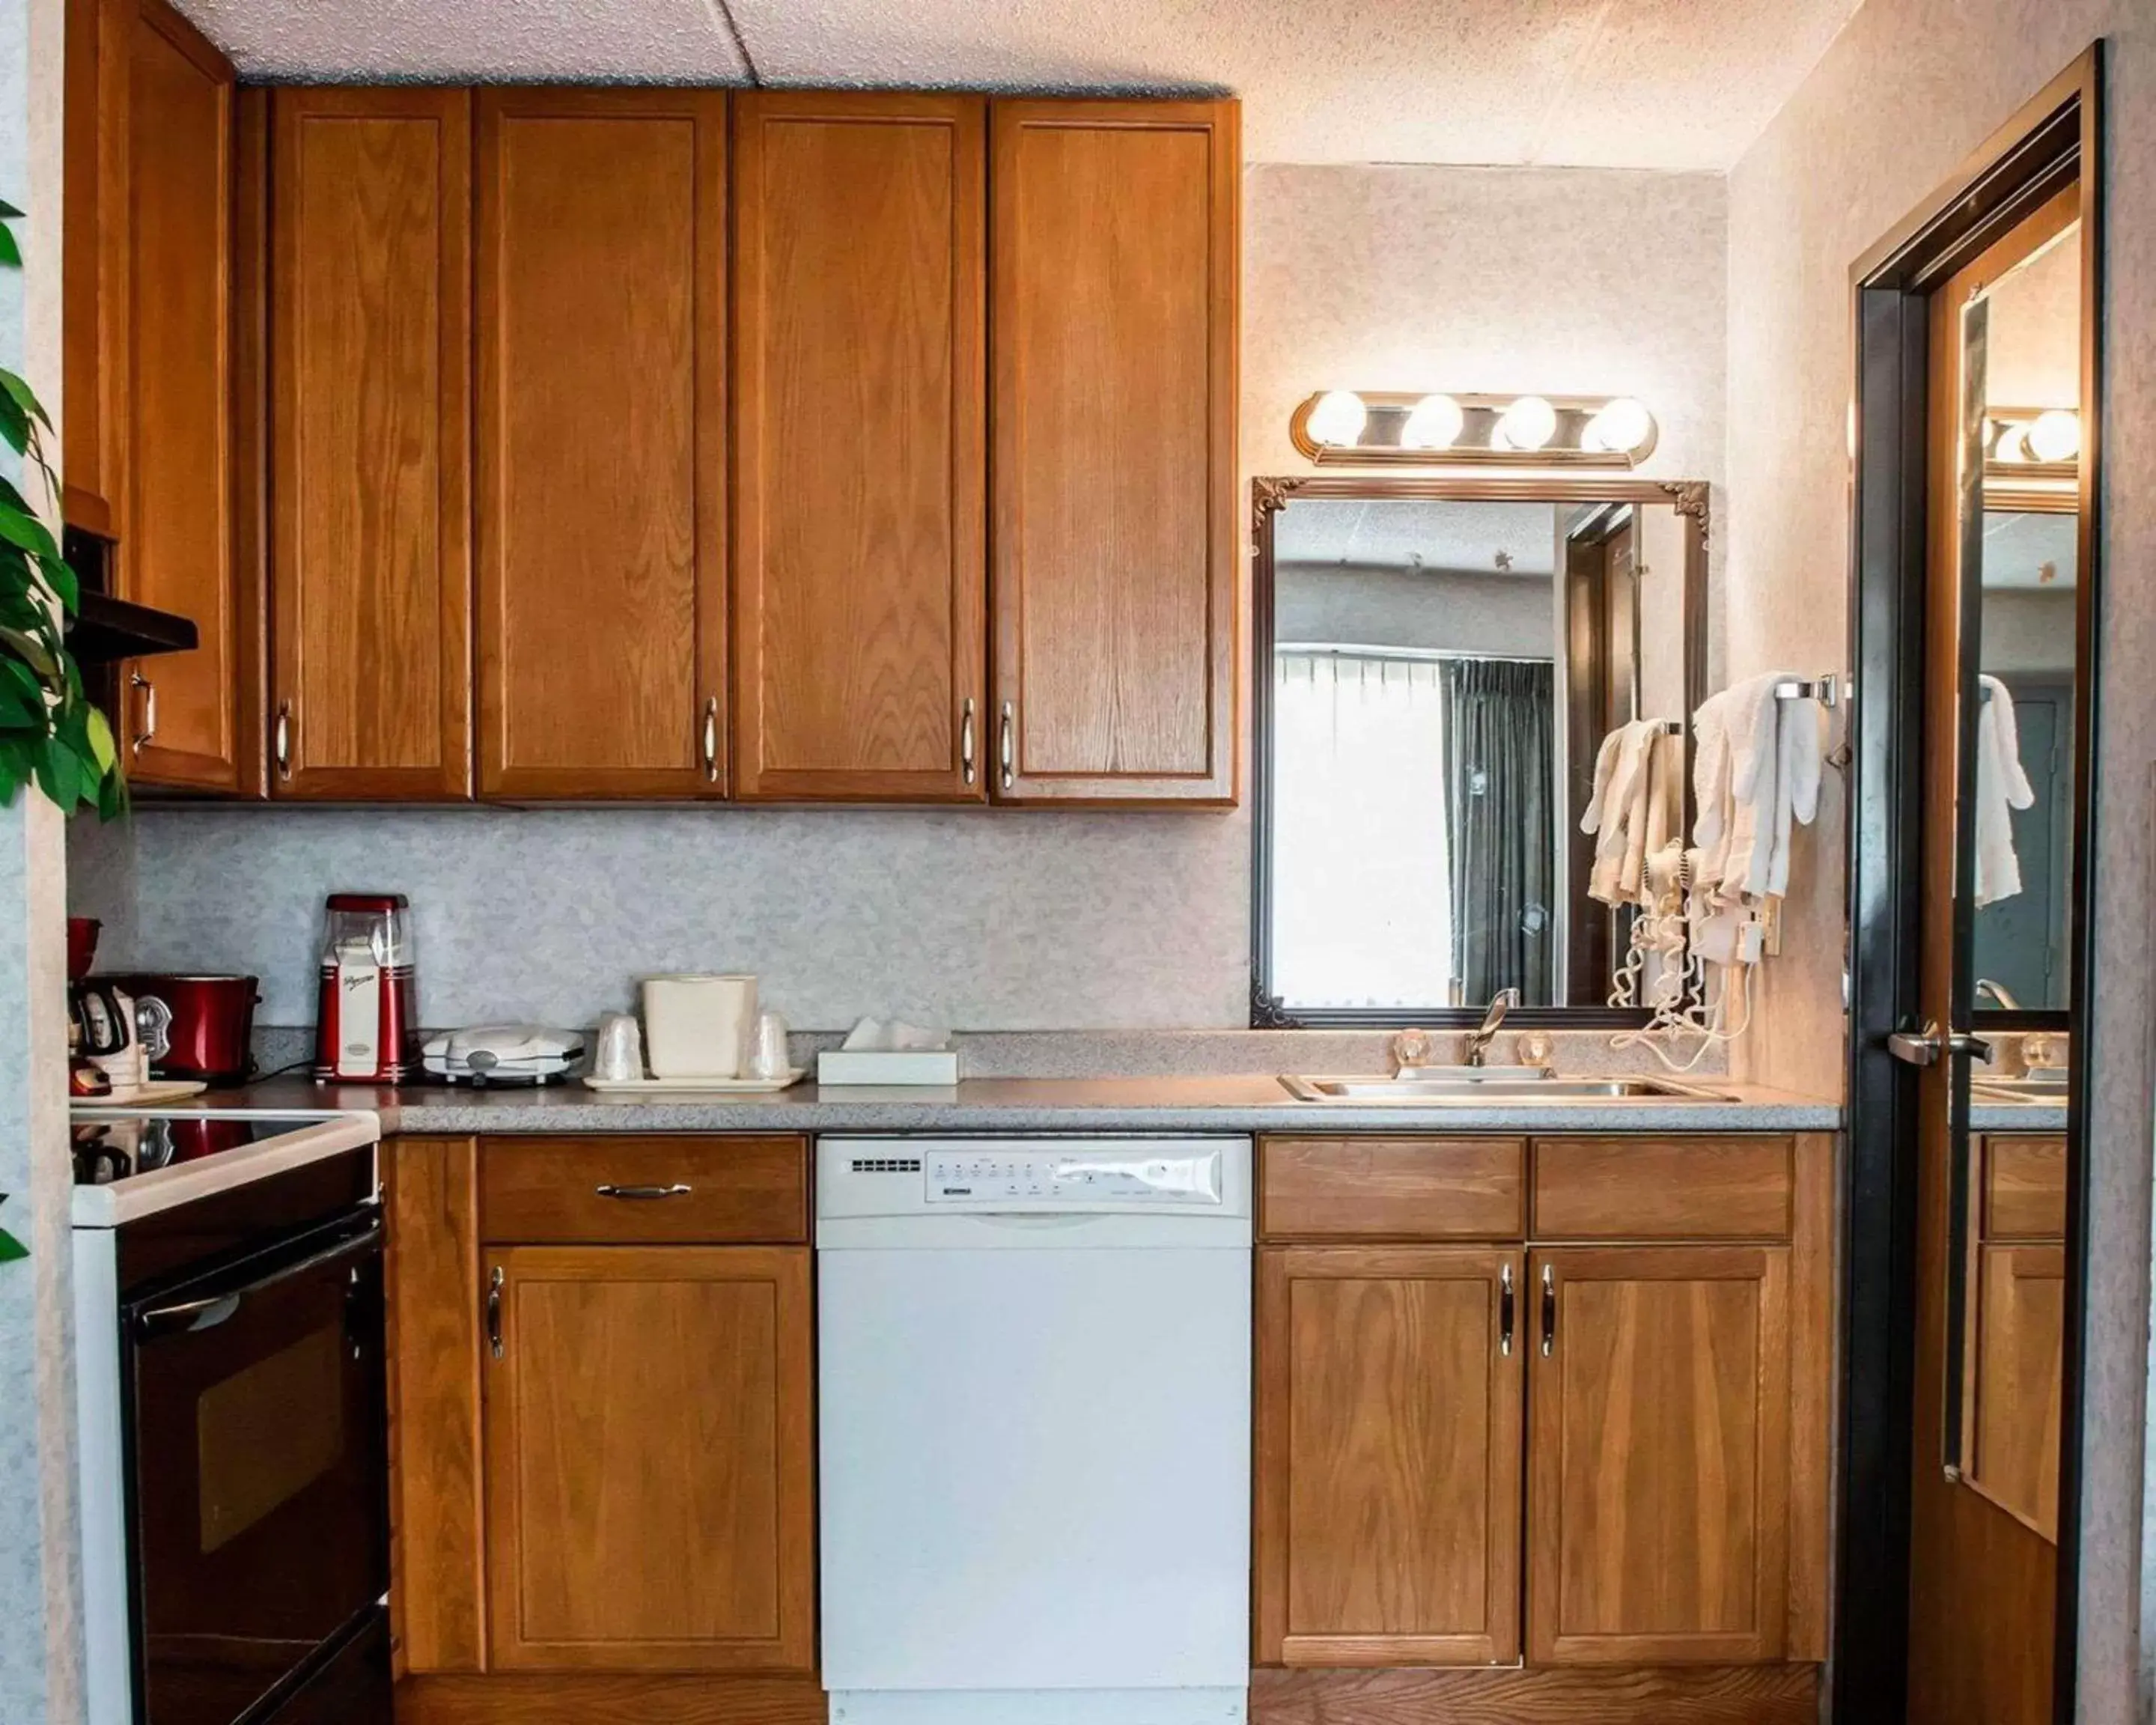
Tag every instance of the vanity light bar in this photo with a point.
(1365, 428)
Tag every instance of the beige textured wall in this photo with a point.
(1910, 88)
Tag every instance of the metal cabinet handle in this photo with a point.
(1007, 743)
(1549, 1311)
(1925, 1047)
(966, 768)
(493, 1312)
(711, 738)
(136, 679)
(612, 1191)
(1504, 1312)
(281, 740)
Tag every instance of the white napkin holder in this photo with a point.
(894, 1053)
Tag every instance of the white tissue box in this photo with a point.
(882, 1065)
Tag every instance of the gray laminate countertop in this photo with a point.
(1237, 1104)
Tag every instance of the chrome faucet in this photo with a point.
(1998, 992)
(1478, 1040)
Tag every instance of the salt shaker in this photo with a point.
(767, 1057)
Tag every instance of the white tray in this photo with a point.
(735, 1086)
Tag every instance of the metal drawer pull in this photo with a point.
(494, 1312)
(965, 741)
(712, 739)
(1549, 1311)
(1007, 743)
(1504, 1310)
(282, 748)
(136, 680)
(611, 1191)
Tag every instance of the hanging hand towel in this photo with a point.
(2001, 786)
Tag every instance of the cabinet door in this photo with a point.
(601, 486)
(371, 594)
(2016, 1363)
(181, 710)
(648, 1447)
(93, 263)
(859, 483)
(1113, 298)
(1658, 1456)
(1389, 1456)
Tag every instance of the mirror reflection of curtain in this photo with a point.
(1498, 752)
(1360, 905)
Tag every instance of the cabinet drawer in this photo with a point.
(2025, 1189)
(1392, 1189)
(550, 1190)
(1662, 1189)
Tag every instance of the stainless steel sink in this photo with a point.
(2052, 1090)
(1471, 1084)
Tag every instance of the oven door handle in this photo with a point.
(211, 1310)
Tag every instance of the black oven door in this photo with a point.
(257, 1466)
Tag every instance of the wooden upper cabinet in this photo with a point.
(99, 51)
(371, 413)
(180, 711)
(650, 1446)
(601, 473)
(1113, 321)
(1658, 1456)
(1389, 1383)
(860, 477)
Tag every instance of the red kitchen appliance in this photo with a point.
(197, 1026)
(367, 1026)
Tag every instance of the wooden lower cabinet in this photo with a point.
(1623, 1515)
(1389, 1445)
(1658, 1456)
(648, 1455)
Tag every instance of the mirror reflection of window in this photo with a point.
(1443, 672)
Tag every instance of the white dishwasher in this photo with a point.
(1034, 1408)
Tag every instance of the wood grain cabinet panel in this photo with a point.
(860, 479)
(645, 1187)
(1392, 1189)
(94, 264)
(1389, 1456)
(2024, 1187)
(1112, 296)
(1658, 1456)
(2019, 1323)
(601, 528)
(180, 712)
(649, 1443)
(1644, 1188)
(371, 412)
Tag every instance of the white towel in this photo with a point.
(2001, 786)
(1754, 793)
(1619, 812)
(1755, 777)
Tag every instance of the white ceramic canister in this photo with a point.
(695, 1026)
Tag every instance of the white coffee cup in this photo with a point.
(694, 1026)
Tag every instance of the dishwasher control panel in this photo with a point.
(1137, 1174)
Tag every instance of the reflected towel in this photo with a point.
(2001, 786)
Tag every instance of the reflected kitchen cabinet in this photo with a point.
(371, 435)
(1112, 382)
(601, 513)
(860, 586)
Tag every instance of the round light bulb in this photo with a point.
(1621, 426)
(2054, 435)
(1338, 420)
(1528, 423)
(1433, 424)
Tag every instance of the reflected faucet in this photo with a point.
(1998, 992)
(1478, 1040)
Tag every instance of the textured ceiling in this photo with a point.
(1658, 84)
(1419, 533)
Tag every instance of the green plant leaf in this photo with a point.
(9, 212)
(27, 530)
(14, 424)
(25, 398)
(11, 1250)
(102, 749)
(60, 577)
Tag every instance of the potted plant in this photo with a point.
(51, 732)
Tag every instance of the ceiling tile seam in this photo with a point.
(1538, 137)
(724, 12)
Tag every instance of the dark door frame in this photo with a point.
(2055, 139)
